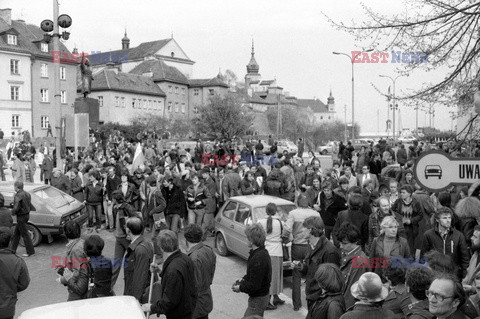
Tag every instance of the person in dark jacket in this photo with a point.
(13, 275)
(402, 155)
(198, 197)
(447, 240)
(256, 283)
(113, 181)
(330, 205)
(22, 204)
(6, 219)
(76, 185)
(445, 297)
(154, 203)
(122, 211)
(211, 207)
(47, 168)
(204, 261)
(100, 268)
(94, 193)
(468, 212)
(418, 280)
(231, 183)
(139, 257)
(178, 293)
(411, 213)
(331, 303)
(354, 216)
(176, 205)
(60, 181)
(320, 250)
(249, 184)
(398, 299)
(273, 185)
(129, 190)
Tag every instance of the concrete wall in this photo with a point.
(123, 114)
(8, 107)
(48, 108)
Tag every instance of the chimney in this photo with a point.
(111, 67)
(75, 50)
(6, 15)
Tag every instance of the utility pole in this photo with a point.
(346, 134)
(278, 116)
(56, 91)
(416, 118)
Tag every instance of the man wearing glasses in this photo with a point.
(445, 297)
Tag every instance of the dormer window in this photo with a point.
(44, 47)
(172, 54)
(12, 39)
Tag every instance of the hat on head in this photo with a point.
(139, 171)
(369, 288)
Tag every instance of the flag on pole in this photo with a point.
(138, 158)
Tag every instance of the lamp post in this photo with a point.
(48, 26)
(394, 104)
(352, 58)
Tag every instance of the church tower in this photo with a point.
(125, 41)
(252, 71)
(331, 103)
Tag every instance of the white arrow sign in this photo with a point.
(436, 171)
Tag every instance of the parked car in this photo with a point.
(358, 143)
(287, 145)
(52, 208)
(327, 148)
(126, 307)
(236, 214)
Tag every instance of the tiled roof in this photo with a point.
(207, 82)
(315, 105)
(270, 99)
(267, 82)
(106, 80)
(161, 71)
(145, 49)
(27, 34)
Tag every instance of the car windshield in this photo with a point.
(260, 212)
(54, 197)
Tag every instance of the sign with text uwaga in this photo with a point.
(436, 171)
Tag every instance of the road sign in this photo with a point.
(436, 171)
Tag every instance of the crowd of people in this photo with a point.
(354, 224)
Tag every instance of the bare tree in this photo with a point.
(446, 30)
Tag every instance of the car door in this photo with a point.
(225, 222)
(243, 218)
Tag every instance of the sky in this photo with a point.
(293, 44)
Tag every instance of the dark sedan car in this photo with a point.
(52, 208)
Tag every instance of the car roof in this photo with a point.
(28, 187)
(261, 200)
(125, 307)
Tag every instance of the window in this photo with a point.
(15, 120)
(243, 215)
(154, 105)
(44, 47)
(160, 106)
(44, 70)
(170, 89)
(63, 74)
(134, 102)
(14, 66)
(183, 107)
(183, 91)
(100, 100)
(123, 101)
(145, 104)
(117, 101)
(176, 107)
(176, 90)
(172, 54)
(44, 95)
(211, 91)
(321, 117)
(196, 91)
(63, 97)
(44, 122)
(169, 106)
(149, 104)
(12, 39)
(195, 109)
(229, 211)
(329, 117)
(14, 93)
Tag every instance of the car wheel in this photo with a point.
(35, 235)
(221, 245)
(324, 152)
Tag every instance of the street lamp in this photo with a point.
(394, 104)
(352, 58)
(64, 21)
